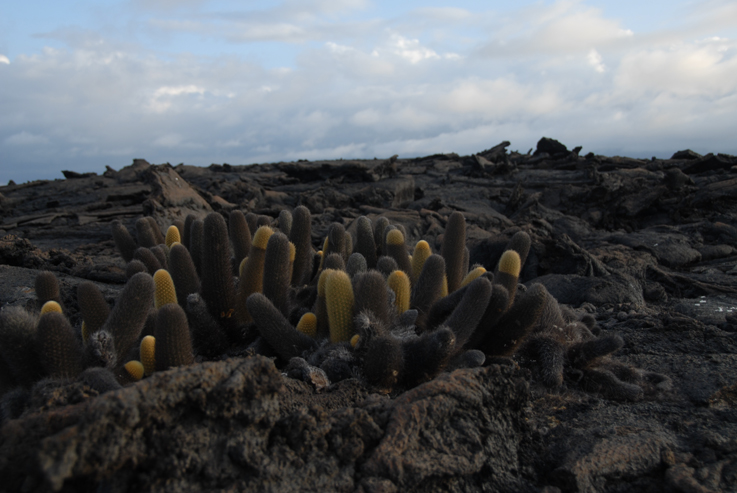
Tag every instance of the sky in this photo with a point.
(88, 84)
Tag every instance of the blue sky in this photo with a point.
(84, 85)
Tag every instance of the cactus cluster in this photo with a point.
(367, 305)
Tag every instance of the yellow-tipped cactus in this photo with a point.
(172, 236)
(339, 303)
(354, 340)
(51, 306)
(253, 272)
(134, 369)
(509, 269)
(399, 283)
(444, 291)
(394, 237)
(396, 248)
(165, 292)
(148, 354)
(421, 253)
(308, 324)
(473, 275)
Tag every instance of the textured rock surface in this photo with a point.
(234, 424)
(648, 247)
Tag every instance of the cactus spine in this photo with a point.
(61, 355)
(399, 283)
(173, 346)
(164, 292)
(308, 324)
(339, 302)
(172, 236)
(454, 244)
(253, 272)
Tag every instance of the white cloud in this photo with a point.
(564, 27)
(596, 61)
(439, 80)
(163, 97)
(26, 139)
(410, 49)
(4, 59)
(706, 69)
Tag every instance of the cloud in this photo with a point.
(410, 49)
(163, 97)
(357, 85)
(563, 27)
(596, 61)
(26, 139)
(4, 59)
(706, 69)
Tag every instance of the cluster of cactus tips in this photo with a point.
(367, 305)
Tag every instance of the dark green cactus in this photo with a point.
(276, 330)
(383, 360)
(173, 343)
(371, 295)
(585, 353)
(129, 314)
(47, 287)
(284, 222)
(144, 233)
(333, 261)
(147, 257)
(240, 236)
(380, 226)
(454, 244)
(123, 241)
(520, 243)
(497, 306)
(550, 354)
(196, 241)
(101, 379)
(18, 344)
(156, 230)
(356, 264)
(426, 356)
(218, 287)
(336, 241)
(277, 271)
(507, 334)
(93, 306)
(208, 337)
(263, 220)
(365, 244)
(59, 351)
(301, 236)
(468, 313)
(183, 273)
(134, 267)
(386, 265)
(252, 220)
(161, 252)
(428, 288)
(186, 231)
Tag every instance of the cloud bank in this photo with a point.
(197, 83)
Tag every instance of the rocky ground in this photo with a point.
(649, 247)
